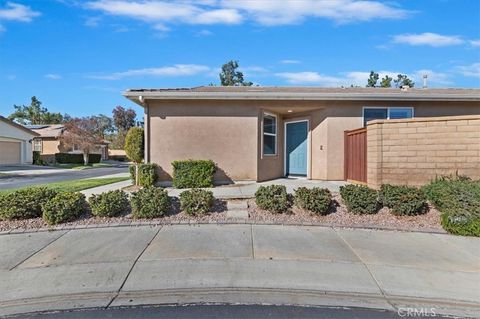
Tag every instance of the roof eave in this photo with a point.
(134, 96)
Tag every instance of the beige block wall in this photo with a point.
(415, 151)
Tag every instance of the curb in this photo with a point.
(234, 296)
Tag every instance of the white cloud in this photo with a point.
(289, 61)
(53, 76)
(92, 21)
(475, 43)
(174, 70)
(265, 12)
(428, 38)
(204, 33)
(269, 12)
(472, 70)
(17, 12)
(161, 12)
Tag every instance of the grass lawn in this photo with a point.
(76, 185)
(81, 166)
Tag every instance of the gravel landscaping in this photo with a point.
(338, 216)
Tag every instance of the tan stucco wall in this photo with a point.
(415, 151)
(50, 146)
(223, 132)
(230, 133)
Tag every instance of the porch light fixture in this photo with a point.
(289, 111)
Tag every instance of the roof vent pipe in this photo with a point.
(425, 81)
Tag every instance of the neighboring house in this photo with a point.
(15, 143)
(262, 133)
(48, 142)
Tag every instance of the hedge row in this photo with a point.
(67, 158)
(60, 207)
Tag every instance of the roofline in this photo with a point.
(19, 126)
(400, 96)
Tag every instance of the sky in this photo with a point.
(78, 56)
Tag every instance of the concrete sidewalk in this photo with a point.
(248, 189)
(119, 266)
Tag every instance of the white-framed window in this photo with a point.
(37, 145)
(269, 134)
(386, 113)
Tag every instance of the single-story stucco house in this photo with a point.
(263, 133)
(15, 143)
(48, 141)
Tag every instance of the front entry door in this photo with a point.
(296, 148)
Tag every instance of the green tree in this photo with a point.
(34, 114)
(403, 80)
(104, 123)
(386, 82)
(134, 147)
(123, 118)
(231, 77)
(372, 80)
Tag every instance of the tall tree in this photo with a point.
(123, 118)
(372, 80)
(34, 114)
(231, 77)
(82, 133)
(105, 124)
(386, 82)
(403, 80)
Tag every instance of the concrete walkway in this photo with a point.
(119, 266)
(248, 189)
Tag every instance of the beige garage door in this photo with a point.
(9, 152)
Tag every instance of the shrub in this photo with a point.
(196, 201)
(134, 144)
(109, 204)
(403, 200)
(24, 203)
(37, 159)
(458, 199)
(150, 202)
(273, 198)
(360, 199)
(193, 173)
(317, 200)
(64, 207)
(67, 158)
(147, 174)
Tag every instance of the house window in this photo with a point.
(269, 134)
(37, 145)
(386, 113)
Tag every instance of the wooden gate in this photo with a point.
(356, 155)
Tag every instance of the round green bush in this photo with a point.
(150, 202)
(109, 204)
(273, 198)
(461, 223)
(403, 200)
(64, 207)
(196, 201)
(24, 203)
(316, 199)
(360, 199)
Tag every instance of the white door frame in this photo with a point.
(285, 145)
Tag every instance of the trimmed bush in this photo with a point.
(24, 203)
(67, 158)
(109, 204)
(316, 199)
(360, 199)
(37, 159)
(458, 199)
(193, 173)
(64, 207)
(147, 174)
(196, 201)
(403, 200)
(273, 198)
(150, 202)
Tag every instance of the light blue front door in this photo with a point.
(296, 148)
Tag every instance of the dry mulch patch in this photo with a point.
(338, 216)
